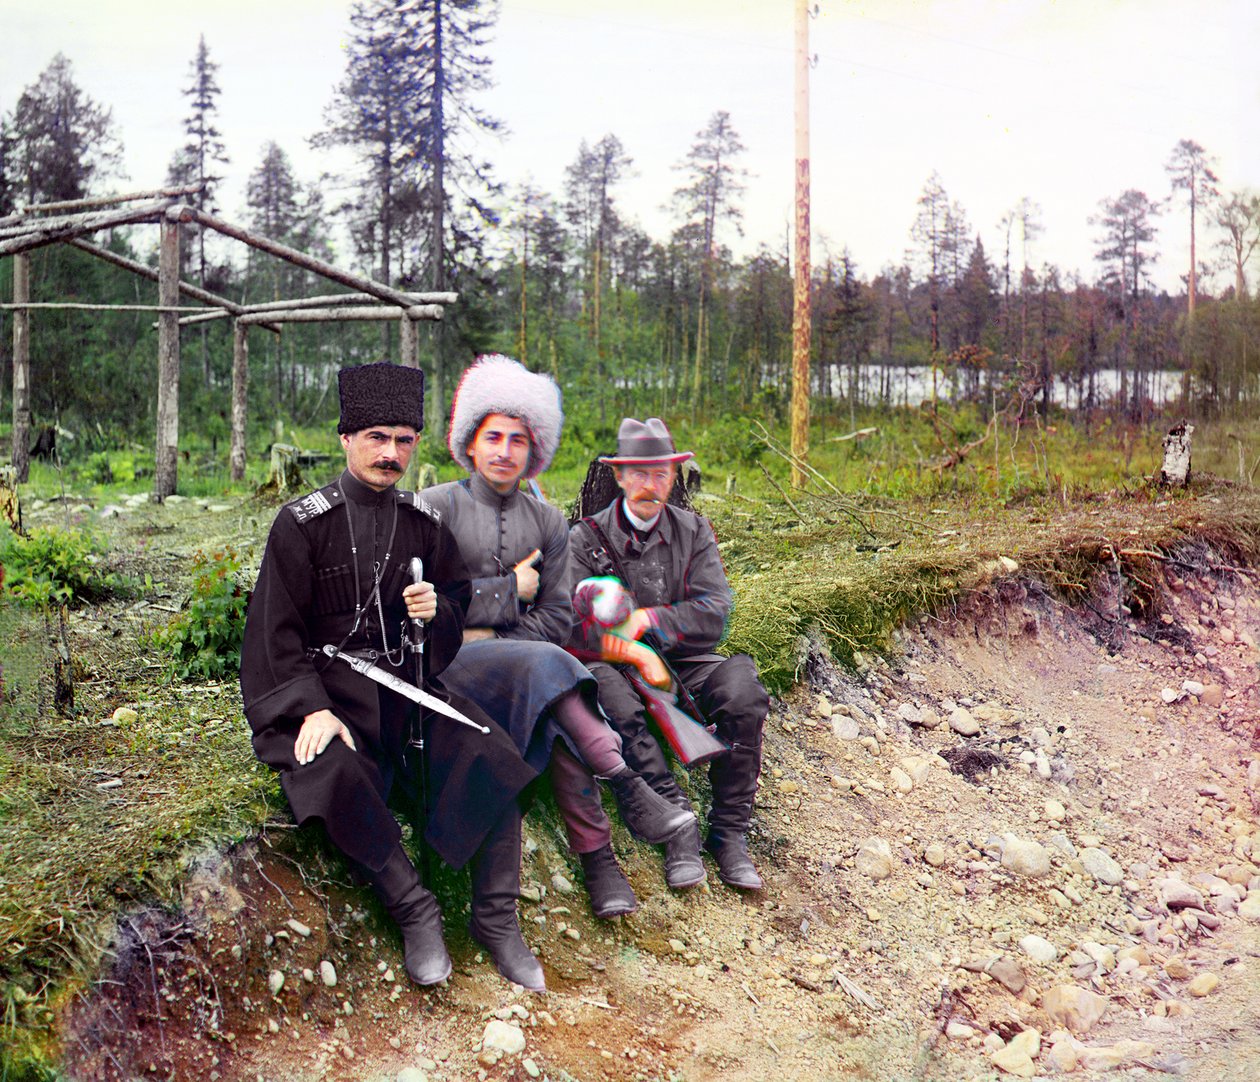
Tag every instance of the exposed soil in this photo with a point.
(887, 943)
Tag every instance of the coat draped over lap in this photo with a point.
(323, 557)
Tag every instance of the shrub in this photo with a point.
(204, 641)
(56, 567)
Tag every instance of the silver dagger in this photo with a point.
(408, 691)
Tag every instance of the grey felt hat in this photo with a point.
(645, 442)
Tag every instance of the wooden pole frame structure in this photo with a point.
(70, 223)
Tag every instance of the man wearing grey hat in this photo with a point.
(505, 427)
(668, 559)
(336, 574)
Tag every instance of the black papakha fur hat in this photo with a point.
(380, 394)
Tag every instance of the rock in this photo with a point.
(917, 768)
(902, 781)
(1177, 969)
(275, 981)
(935, 855)
(531, 1068)
(1174, 894)
(1203, 985)
(1170, 696)
(1055, 811)
(1024, 857)
(301, 929)
(845, 728)
(1039, 949)
(1076, 1009)
(411, 1074)
(328, 973)
(1018, 1055)
(1104, 957)
(823, 709)
(874, 859)
(560, 884)
(961, 721)
(1192, 687)
(1213, 695)
(1063, 1055)
(125, 715)
(910, 714)
(958, 1031)
(1102, 867)
(1109, 1057)
(503, 1037)
(1008, 973)
(1249, 909)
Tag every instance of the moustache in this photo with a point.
(390, 464)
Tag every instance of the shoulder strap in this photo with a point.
(419, 503)
(316, 503)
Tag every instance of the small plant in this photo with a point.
(204, 641)
(55, 567)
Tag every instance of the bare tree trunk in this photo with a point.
(166, 453)
(21, 368)
(240, 391)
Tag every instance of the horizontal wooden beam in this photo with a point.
(349, 315)
(45, 233)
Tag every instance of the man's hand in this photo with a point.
(421, 599)
(527, 577)
(643, 658)
(317, 732)
(478, 634)
(639, 621)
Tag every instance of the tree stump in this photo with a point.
(1176, 467)
(10, 507)
(285, 475)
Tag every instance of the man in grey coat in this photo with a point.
(668, 559)
(505, 426)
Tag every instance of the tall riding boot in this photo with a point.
(496, 884)
(417, 915)
(648, 814)
(683, 866)
(610, 890)
(734, 782)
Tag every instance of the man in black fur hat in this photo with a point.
(668, 559)
(336, 572)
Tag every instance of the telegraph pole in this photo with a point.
(800, 299)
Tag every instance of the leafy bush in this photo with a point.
(56, 567)
(204, 641)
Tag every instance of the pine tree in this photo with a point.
(1189, 169)
(422, 201)
(708, 200)
(64, 142)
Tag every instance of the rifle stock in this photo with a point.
(691, 741)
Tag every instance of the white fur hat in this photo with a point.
(498, 384)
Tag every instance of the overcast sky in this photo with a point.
(1065, 102)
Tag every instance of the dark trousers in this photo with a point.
(729, 693)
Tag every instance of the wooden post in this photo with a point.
(800, 303)
(21, 368)
(166, 448)
(240, 391)
(408, 342)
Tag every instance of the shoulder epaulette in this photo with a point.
(316, 503)
(414, 499)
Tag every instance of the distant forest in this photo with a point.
(561, 281)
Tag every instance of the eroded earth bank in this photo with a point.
(1028, 844)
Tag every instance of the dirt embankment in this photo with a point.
(1029, 845)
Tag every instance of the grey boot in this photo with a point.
(496, 884)
(648, 814)
(735, 866)
(417, 915)
(683, 866)
(610, 890)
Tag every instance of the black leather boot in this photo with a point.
(496, 884)
(417, 915)
(683, 866)
(735, 866)
(648, 814)
(610, 890)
